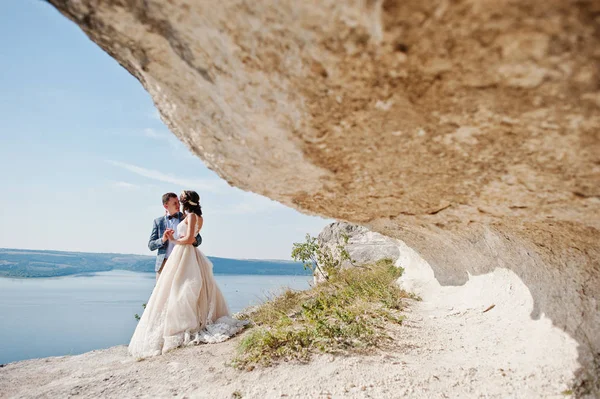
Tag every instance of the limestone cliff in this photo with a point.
(468, 129)
(364, 246)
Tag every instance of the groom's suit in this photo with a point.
(155, 242)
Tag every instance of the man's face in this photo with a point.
(172, 206)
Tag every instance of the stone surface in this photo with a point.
(468, 129)
(364, 246)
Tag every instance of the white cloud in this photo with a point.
(252, 203)
(125, 185)
(169, 139)
(155, 115)
(211, 185)
(148, 132)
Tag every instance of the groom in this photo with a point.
(163, 229)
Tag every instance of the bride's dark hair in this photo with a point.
(191, 202)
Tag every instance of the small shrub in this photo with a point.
(137, 316)
(320, 259)
(348, 312)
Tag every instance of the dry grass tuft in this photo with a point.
(348, 312)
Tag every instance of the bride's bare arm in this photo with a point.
(189, 237)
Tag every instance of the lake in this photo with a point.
(56, 316)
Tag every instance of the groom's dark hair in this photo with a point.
(167, 197)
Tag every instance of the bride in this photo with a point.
(186, 306)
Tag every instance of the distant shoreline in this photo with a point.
(21, 263)
(143, 272)
(117, 254)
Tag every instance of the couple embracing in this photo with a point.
(186, 306)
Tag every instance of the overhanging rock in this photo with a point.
(470, 130)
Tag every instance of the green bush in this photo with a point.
(348, 312)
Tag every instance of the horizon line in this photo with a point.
(130, 254)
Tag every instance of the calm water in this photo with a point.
(75, 314)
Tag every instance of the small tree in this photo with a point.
(319, 258)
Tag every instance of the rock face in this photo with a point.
(468, 129)
(364, 246)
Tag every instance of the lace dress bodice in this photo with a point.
(182, 228)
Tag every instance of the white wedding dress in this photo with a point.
(186, 306)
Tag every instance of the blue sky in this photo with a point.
(85, 157)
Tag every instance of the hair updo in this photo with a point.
(191, 202)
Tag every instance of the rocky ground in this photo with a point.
(452, 344)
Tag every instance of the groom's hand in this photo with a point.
(167, 235)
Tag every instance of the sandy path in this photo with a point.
(447, 348)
